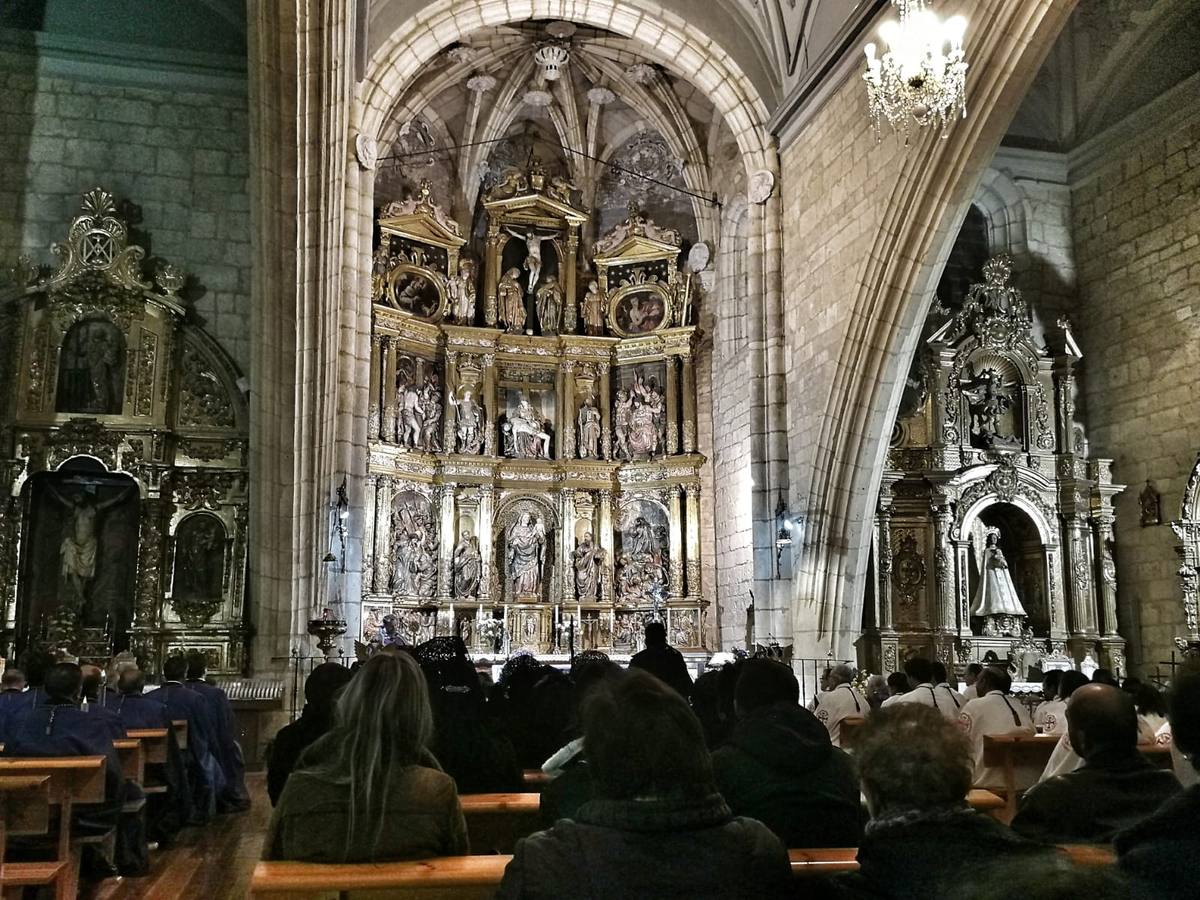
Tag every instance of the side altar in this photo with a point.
(534, 480)
(994, 528)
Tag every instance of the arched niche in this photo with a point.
(79, 554)
(91, 368)
(200, 575)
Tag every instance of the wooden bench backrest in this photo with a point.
(472, 877)
(78, 778)
(154, 742)
(133, 759)
(495, 822)
(25, 804)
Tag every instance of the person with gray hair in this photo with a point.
(370, 790)
(915, 768)
(840, 702)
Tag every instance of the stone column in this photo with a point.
(883, 595)
(566, 405)
(605, 411)
(487, 542)
(605, 537)
(946, 617)
(444, 496)
(491, 275)
(371, 486)
(491, 414)
(383, 535)
(376, 386)
(675, 516)
(689, 402)
(672, 398)
(692, 516)
(449, 444)
(1064, 403)
(387, 427)
(570, 295)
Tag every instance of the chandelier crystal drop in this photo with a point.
(922, 75)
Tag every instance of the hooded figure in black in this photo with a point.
(780, 767)
(320, 691)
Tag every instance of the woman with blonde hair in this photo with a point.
(370, 790)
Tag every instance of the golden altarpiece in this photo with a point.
(994, 530)
(533, 477)
(123, 445)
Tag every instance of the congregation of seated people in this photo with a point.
(55, 707)
(658, 786)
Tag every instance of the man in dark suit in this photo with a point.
(204, 772)
(234, 798)
(663, 661)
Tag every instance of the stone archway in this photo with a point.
(906, 205)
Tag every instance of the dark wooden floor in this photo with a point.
(211, 863)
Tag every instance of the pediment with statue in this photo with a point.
(125, 451)
(990, 486)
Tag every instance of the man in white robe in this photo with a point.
(970, 676)
(994, 712)
(944, 692)
(920, 672)
(842, 701)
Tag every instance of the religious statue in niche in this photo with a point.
(198, 585)
(1150, 503)
(533, 254)
(549, 305)
(511, 301)
(589, 430)
(414, 566)
(462, 293)
(640, 419)
(640, 312)
(525, 555)
(419, 413)
(641, 569)
(81, 552)
(467, 566)
(416, 294)
(468, 423)
(989, 398)
(996, 597)
(525, 433)
(593, 310)
(91, 375)
(588, 561)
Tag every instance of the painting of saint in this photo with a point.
(91, 375)
(641, 312)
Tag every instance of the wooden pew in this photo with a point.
(72, 779)
(24, 808)
(154, 746)
(133, 759)
(495, 822)
(535, 779)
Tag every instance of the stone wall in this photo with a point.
(179, 154)
(1136, 221)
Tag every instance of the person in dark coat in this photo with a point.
(320, 691)
(657, 826)
(923, 839)
(35, 664)
(93, 705)
(1162, 849)
(204, 772)
(663, 661)
(780, 766)
(1116, 787)
(233, 797)
(58, 727)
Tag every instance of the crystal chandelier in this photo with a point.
(922, 75)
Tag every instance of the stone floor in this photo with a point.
(210, 863)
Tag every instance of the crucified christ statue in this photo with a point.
(533, 254)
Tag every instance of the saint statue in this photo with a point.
(988, 399)
(589, 430)
(641, 539)
(622, 419)
(431, 414)
(533, 253)
(647, 418)
(996, 597)
(466, 566)
(588, 560)
(423, 569)
(410, 415)
(511, 301)
(593, 310)
(530, 439)
(468, 424)
(462, 293)
(80, 541)
(549, 305)
(525, 556)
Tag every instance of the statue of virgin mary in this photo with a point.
(996, 597)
